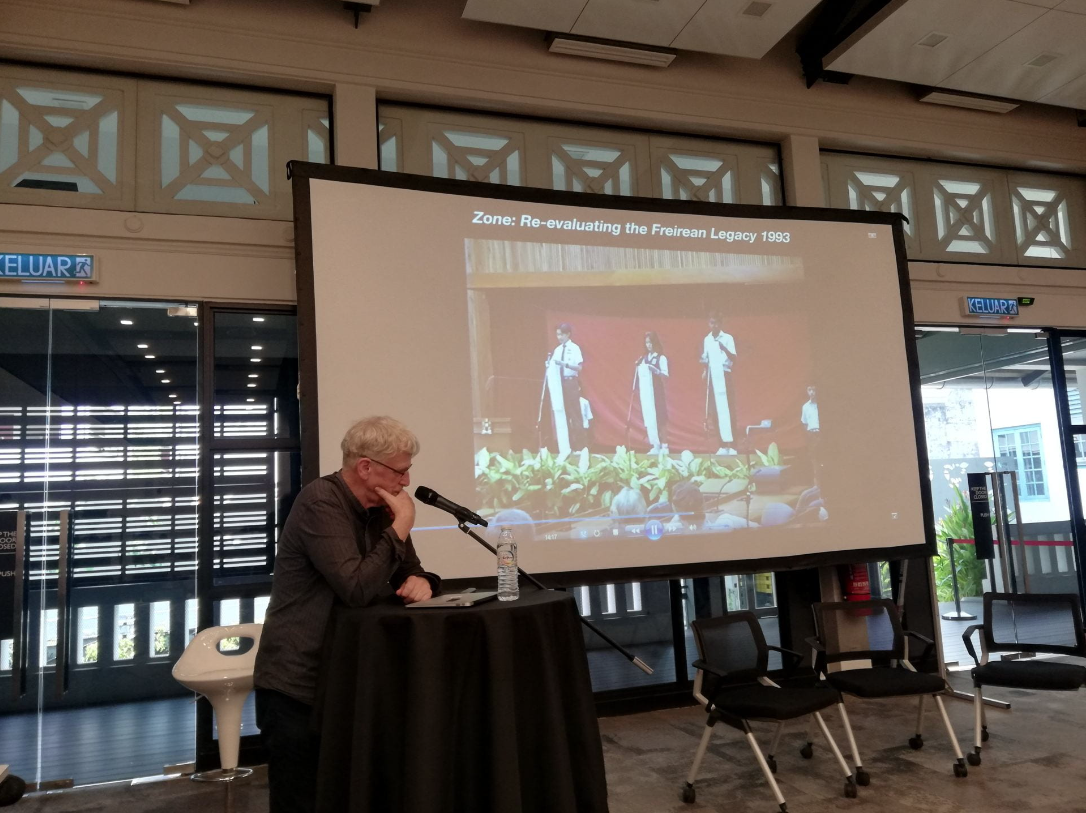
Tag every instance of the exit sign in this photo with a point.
(48, 267)
(989, 306)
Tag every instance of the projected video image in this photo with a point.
(625, 392)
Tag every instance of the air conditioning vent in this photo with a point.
(969, 101)
(933, 40)
(757, 9)
(1041, 60)
(604, 49)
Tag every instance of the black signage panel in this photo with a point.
(8, 524)
(982, 515)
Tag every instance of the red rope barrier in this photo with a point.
(1035, 543)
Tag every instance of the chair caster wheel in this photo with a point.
(984, 735)
(863, 778)
(973, 759)
(689, 796)
(960, 770)
(772, 763)
(916, 743)
(850, 789)
(806, 751)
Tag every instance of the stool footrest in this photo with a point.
(220, 775)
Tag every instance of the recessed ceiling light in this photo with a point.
(251, 386)
(254, 375)
(165, 381)
(141, 346)
(933, 40)
(258, 318)
(149, 356)
(126, 321)
(251, 400)
(172, 395)
(256, 347)
(160, 372)
(195, 324)
(255, 361)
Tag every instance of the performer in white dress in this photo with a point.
(564, 388)
(652, 376)
(718, 357)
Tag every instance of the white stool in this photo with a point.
(225, 680)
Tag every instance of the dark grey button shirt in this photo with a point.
(331, 550)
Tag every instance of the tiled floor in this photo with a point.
(1036, 760)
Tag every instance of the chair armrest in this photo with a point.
(797, 659)
(705, 666)
(967, 637)
(819, 657)
(925, 640)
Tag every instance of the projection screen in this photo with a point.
(640, 388)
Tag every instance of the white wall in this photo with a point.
(1027, 407)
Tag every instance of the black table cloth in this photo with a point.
(487, 708)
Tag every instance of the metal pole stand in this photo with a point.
(988, 701)
(640, 664)
(956, 614)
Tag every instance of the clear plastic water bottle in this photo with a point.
(508, 583)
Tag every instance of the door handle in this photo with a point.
(19, 645)
(64, 609)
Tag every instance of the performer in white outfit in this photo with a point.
(718, 356)
(652, 375)
(808, 416)
(564, 387)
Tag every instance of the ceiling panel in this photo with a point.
(720, 27)
(1073, 94)
(1073, 7)
(972, 27)
(1002, 70)
(651, 22)
(553, 15)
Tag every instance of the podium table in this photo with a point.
(483, 709)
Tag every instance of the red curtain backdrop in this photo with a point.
(768, 382)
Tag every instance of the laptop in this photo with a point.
(466, 599)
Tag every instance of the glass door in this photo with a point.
(990, 408)
(1069, 350)
(99, 448)
(24, 393)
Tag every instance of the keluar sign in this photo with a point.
(49, 267)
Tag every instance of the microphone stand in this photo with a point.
(640, 664)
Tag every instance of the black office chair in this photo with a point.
(732, 682)
(870, 632)
(1032, 623)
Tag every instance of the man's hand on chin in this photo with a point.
(414, 588)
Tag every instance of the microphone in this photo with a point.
(462, 514)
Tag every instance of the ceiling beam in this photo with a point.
(835, 22)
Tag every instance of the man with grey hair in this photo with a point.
(347, 541)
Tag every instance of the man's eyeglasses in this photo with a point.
(397, 472)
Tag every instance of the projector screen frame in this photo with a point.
(300, 174)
